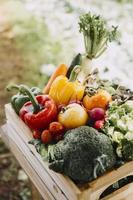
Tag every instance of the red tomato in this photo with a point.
(36, 134)
(46, 137)
(99, 124)
(57, 130)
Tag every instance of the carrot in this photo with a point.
(60, 70)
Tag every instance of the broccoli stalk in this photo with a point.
(96, 37)
(99, 163)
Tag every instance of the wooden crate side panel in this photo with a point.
(113, 176)
(122, 194)
(36, 167)
(65, 184)
(28, 168)
(129, 197)
(96, 192)
(97, 187)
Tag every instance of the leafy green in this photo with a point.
(96, 34)
(42, 149)
(119, 127)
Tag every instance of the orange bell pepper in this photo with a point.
(99, 100)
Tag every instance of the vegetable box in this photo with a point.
(54, 186)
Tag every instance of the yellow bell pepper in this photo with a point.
(64, 90)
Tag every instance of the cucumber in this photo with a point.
(76, 61)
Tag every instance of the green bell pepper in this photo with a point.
(18, 100)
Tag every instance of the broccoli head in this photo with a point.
(83, 154)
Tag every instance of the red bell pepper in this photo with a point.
(39, 112)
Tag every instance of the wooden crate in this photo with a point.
(54, 186)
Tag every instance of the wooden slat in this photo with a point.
(42, 173)
(65, 184)
(97, 187)
(129, 197)
(111, 177)
(122, 194)
(28, 168)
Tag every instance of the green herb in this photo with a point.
(96, 34)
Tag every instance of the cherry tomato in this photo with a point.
(56, 128)
(99, 124)
(46, 137)
(36, 134)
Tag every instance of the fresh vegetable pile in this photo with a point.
(81, 125)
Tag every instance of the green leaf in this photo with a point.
(96, 34)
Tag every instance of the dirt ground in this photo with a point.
(21, 56)
(11, 70)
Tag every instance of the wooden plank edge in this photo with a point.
(31, 159)
(120, 193)
(64, 186)
(113, 176)
(29, 170)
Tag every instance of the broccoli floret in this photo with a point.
(83, 155)
(127, 149)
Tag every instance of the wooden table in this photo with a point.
(51, 185)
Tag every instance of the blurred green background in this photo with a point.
(38, 35)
